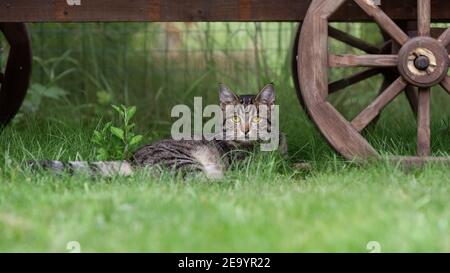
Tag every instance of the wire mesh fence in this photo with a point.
(138, 56)
(153, 65)
(158, 65)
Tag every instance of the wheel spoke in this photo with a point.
(362, 60)
(374, 109)
(353, 79)
(446, 84)
(413, 99)
(424, 17)
(423, 131)
(383, 21)
(445, 38)
(352, 41)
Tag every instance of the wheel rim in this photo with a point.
(314, 60)
(16, 77)
(356, 78)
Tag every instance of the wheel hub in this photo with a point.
(423, 62)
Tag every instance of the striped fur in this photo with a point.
(211, 157)
(104, 168)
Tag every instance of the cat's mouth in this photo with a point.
(249, 139)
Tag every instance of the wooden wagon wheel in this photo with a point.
(422, 62)
(16, 77)
(334, 87)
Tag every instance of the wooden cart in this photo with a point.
(413, 58)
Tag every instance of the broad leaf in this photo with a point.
(130, 112)
(117, 132)
(136, 140)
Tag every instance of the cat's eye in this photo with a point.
(236, 119)
(256, 119)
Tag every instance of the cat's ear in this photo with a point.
(227, 96)
(266, 95)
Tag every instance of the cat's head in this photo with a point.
(247, 118)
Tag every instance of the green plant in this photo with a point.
(49, 87)
(117, 142)
(55, 69)
(38, 92)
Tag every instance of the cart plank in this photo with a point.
(196, 10)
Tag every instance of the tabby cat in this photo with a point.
(213, 157)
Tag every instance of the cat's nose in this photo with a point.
(246, 128)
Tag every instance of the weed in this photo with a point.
(117, 142)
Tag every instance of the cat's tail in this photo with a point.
(101, 168)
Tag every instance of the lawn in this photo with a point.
(263, 206)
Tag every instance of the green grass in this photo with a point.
(262, 206)
(331, 211)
